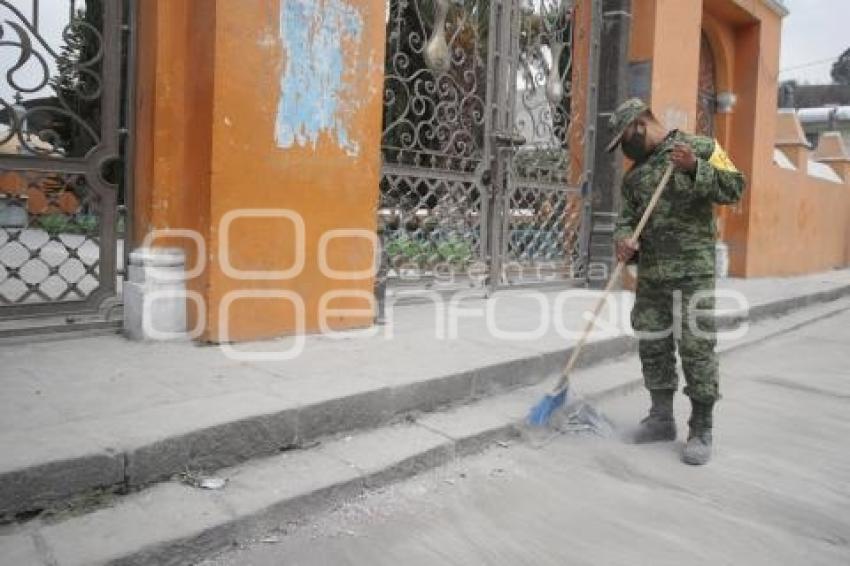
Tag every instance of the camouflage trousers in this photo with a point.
(671, 313)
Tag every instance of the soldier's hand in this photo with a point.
(626, 249)
(683, 158)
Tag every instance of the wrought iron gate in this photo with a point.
(63, 182)
(486, 155)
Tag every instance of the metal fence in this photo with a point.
(482, 127)
(63, 183)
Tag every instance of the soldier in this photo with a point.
(674, 301)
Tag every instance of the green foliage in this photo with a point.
(405, 247)
(404, 250)
(79, 79)
(56, 223)
(841, 69)
(455, 251)
(87, 224)
(531, 162)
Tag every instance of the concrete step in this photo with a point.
(173, 523)
(82, 460)
(62, 327)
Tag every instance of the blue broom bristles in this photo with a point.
(542, 411)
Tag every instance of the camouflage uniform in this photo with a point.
(676, 261)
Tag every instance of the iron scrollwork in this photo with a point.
(543, 219)
(433, 118)
(60, 185)
(449, 176)
(433, 136)
(65, 123)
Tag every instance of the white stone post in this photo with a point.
(155, 295)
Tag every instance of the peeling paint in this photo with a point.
(314, 96)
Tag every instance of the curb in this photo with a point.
(782, 306)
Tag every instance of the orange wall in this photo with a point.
(642, 37)
(208, 108)
(794, 223)
(675, 61)
(805, 230)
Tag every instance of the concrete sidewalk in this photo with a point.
(102, 412)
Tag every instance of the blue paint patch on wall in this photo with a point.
(313, 94)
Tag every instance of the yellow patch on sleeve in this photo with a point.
(720, 160)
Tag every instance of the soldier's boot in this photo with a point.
(659, 425)
(697, 449)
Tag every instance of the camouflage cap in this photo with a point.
(624, 115)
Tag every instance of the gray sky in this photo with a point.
(815, 30)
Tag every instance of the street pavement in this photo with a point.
(776, 492)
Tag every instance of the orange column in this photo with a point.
(259, 130)
(296, 159)
(580, 76)
(172, 138)
(675, 61)
(755, 128)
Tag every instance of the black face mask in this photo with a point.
(635, 147)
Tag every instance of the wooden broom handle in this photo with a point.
(565, 375)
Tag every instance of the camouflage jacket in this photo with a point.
(679, 238)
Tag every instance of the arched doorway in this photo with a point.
(707, 90)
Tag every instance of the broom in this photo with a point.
(542, 411)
